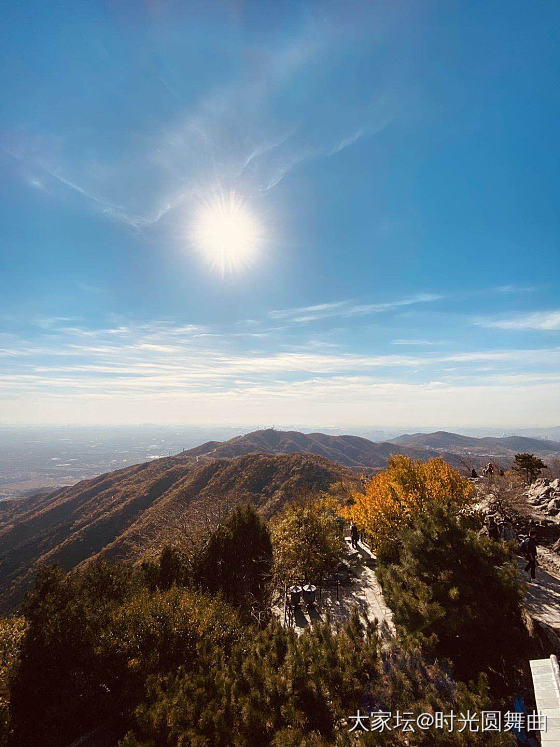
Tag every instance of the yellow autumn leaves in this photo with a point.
(394, 497)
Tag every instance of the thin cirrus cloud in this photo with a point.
(419, 343)
(536, 320)
(160, 352)
(231, 136)
(348, 308)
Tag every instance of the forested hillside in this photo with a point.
(126, 513)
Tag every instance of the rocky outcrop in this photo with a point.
(544, 496)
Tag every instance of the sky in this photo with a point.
(397, 163)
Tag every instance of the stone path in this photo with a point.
(542, 598)
(367, 592)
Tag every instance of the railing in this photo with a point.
(555, 673)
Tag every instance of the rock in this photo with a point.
(534, 499)
(553, 507)
(555, 484)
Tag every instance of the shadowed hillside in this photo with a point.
(124, 514)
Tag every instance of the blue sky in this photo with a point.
(400, 159)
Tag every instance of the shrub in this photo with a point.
(307, 540)
(93, 639)
(12, 630)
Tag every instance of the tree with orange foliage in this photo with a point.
(395, 497)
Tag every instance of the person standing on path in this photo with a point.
(531, 553)
(354, 535)
(493, 531)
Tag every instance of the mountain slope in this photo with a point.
(125, 513)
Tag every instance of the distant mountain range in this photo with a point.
(126, 513)
(506, 445)
(357, 452)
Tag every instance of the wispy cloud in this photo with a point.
(516, 288)
(349, 308)
(537, 320)
(234, 136)
(419, 343)
(124, 365)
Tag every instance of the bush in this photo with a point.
(307, 540)
(58, 690)
(12, 630)
(93, 639)
(278, 690)
(271, 686)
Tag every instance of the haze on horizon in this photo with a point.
(337, 213)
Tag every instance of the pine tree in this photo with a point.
(457, 592)
(237, 559)
(529, 465)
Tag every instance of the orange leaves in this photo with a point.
(394, 497)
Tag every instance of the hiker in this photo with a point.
(493, 531)
(529, 547)
(354, 535)
(474, 473)
(507, 531)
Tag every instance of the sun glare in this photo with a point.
(226, 233)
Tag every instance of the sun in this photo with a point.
(226, 233)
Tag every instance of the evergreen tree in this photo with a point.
(457, 592)
(94, 639)
(276, 689)
(12, 630)
(57, 692)
(529, 465)
(237, 559)
(172, 567)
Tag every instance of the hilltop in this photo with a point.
(123, 514)
(351, 451)
(361, 453)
